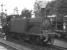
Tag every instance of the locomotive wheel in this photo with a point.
(21, 37)
(51, 40)
(11, 35)
(46, 39)
(27, 38)
(24, 37)
(38, 40)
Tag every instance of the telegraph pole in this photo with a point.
(5, 11)
(2, 7)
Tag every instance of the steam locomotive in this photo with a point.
(33, 29)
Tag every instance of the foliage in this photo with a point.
(26, 13)
(37, 9)
(62, 8)
(58, 6)
(51, 8)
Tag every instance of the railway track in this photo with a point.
(38, 47)
(13, 45)
(33, 46)
(6, 47)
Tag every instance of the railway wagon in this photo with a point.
(30, 30)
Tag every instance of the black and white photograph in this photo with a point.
(33, 24)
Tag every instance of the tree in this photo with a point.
(62, 8)
(58, 6)
(37, 9)
(51, 7)
(26, 13)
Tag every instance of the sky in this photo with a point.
(21, 4)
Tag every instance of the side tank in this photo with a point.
(18, 25)
(22, 26)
